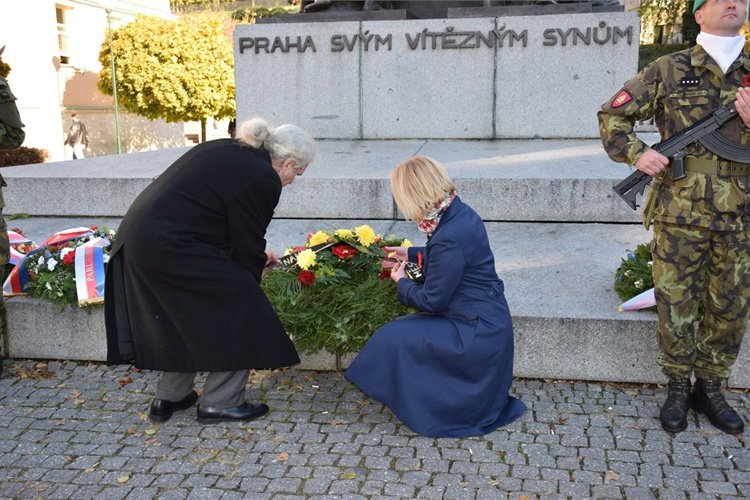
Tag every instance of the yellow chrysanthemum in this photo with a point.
(288, 251)
(318, 238)
(406, 243)
(365, 235)
(306, 259)
(344, 234)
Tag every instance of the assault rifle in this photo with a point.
(704, 131)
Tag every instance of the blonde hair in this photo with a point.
(284, 141)
(418, 185)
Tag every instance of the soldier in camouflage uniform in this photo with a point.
(11, 136)
(701, 245)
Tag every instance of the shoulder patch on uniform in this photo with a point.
(622, 98)
(689, 81)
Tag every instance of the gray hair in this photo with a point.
(284, 141)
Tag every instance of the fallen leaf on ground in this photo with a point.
(611, 476)
(123, 479)
(282, 457)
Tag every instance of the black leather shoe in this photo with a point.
(245, 411)
(161, 409)
(673, 414)
(708, 399)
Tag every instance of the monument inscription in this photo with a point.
(446, 40)
(467, 78)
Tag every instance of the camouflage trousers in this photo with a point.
(700, 276)
(4, 257)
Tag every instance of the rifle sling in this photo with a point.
(716, 167)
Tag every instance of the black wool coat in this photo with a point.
(182, 291)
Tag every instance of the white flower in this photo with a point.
(51, 264)
(650, 263)
(40, 262)
(105, 258)
(48, 286)
(638, 284)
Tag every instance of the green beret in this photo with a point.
(697, 5)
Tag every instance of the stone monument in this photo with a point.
(502, 75)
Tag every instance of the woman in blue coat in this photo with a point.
(446, 370)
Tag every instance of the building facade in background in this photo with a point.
(53, 50)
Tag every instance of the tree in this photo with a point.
(662, 14)
(178, 70)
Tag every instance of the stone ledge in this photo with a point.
(593, 349)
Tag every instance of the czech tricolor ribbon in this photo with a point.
(89, 271)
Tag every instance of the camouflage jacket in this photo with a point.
(677, 90)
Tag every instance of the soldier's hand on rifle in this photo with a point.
(743, 105)
(652, 162)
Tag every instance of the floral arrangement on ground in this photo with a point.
(66, 269)
(634, 276)
(334, 292)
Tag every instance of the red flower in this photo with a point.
(18, 230)
(306, 277)
(419, 260)
(384, 274)
(69, 258)
(746, 81)
(343, 252)
(94, 228)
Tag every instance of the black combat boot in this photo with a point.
(708, 399)
(673, 413)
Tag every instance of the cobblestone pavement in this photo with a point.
(79, 430)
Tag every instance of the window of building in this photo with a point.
(62, 34)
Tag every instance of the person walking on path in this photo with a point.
(183, 281)
(701, 232)
(446, 370)
(78, 137)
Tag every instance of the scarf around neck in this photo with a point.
(722, 49)
(432, 217)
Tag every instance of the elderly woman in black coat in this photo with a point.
(182, 284)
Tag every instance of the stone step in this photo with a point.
(509, 180)
(559, 286)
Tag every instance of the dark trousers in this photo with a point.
(221, 390)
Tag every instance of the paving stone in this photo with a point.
(580, 440)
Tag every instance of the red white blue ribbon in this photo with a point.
(16, 238)
(89, 271)
(67, 235)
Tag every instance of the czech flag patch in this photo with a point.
(621, 99)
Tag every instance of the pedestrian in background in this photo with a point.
(183, 281)
(78, 137)
(701, 243)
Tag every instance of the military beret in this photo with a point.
(697, 5)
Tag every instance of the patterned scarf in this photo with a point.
(432, 217)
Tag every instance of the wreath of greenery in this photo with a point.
(634, 275)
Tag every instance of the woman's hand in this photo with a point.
(397, 253)
(397, 271)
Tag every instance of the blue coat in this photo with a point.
(446, 371)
